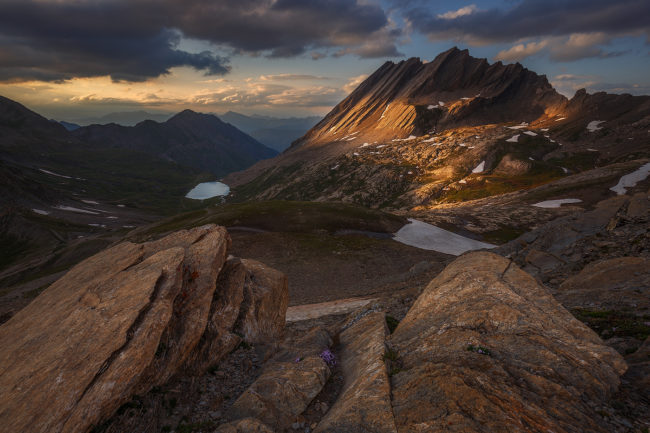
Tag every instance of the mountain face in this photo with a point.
(276, 133)
(417, 136)
(455, 89)
(200, 141)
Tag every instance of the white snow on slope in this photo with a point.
(561, 118)
(40, 212)
(513, 139)
(430, 140)
(429, 237)
(518, 127)
(431, 107)
(593, 125)
(531, 133)
(74, 209)
(53, 173)
(479, 168)
(630, 180)
(553, 204)
(89, 202)
(442, 104)
(384, 112)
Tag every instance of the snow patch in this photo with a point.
(479, 168)
(77, 210)
(513, 139)
(429, 237)
(442, 104)
(89, 202)
(430, 140)
(462, 181)
(431, 107)
(531, 133)
(553, 204)
(561, 118)
(207, 190)
(53, 173)
(335, 167)
(593, 125)
(40, 212)
(544, 129)
(630, 180)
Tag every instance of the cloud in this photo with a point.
(562, 49)
(580, 24)
(451, 15)
(353, 83)
(521, 51)
(135, 40)
(291, 77)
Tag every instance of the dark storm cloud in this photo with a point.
(535, 18)
(139, 39)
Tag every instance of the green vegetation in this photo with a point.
(479, 349)
(503, 234)
(610, 324)
(286, 216)
(579, 161)
(392, 323)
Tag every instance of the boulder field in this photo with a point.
(484, 348)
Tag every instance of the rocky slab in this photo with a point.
(126, 320)
(364, 403)
(289, 382)
(485, 348)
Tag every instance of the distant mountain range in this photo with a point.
(276, 133)
(201, 141)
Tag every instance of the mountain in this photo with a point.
(201, 141)
(125, 118)
(276, 133)
(418, 136)
(69, 126)
(63, 199)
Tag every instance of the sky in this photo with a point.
(76, 59)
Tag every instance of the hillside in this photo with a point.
(415, 136)
(196, 140)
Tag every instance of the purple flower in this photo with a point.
(329, 358)
(298, 359)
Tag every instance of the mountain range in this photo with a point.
(418, 135)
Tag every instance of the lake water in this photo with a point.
(207, 190)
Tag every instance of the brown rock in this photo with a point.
(289, 382)
(364, 403)
(266, 298)
(246, 425)
(542, 261)
(205, 253)
(510, 165)
(616, 284)
(486, 349)
(639, 206)
(77, 362)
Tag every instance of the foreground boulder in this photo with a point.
(485, 348)
(121, 322)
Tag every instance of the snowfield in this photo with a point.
(630, 180)
(531, 133)
(53, 173)
(554, 204)
(513, 139)
(479, 168)
(77, 210)
(429, 237)
(593, 125)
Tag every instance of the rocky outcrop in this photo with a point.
(364, 403)
(486, 348)
(246, 425)
(123, 321)
(616, 227)
(615, 284)
(289, 382)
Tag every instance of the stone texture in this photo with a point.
(205, 253)
(266, 298)
(125, 320)
(639, 363)
(364, 404)
(540, 370)
(616, 284)
(246, 425)
(289, 382)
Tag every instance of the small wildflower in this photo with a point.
(298, 359)
(329, 358)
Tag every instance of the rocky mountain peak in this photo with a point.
(454, 89)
